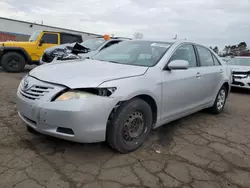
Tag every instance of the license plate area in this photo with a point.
(27, 109)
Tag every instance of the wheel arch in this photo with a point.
(226, 84)
(147, 98)
(152, 103)
(19, 50)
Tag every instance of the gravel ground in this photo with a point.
(201, 150)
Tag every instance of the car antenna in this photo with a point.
(175, 37)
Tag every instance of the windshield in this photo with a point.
(239, 61)
(34, 36)
(140, 53)
(93, 44)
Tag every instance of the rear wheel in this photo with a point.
(130, 126)
(220, 100)
(13, 62)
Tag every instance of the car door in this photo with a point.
(182, 89)
(48, 40)
(209, 74)
(219, 71)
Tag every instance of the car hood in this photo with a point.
(17, 44)
(85, 73)
(239, 68)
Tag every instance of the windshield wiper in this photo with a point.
(114, 62)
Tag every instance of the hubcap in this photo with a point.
(134, 126)
(13, 63)
(221, 99)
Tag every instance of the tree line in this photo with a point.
(233, 50)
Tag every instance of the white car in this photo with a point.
(240, 66)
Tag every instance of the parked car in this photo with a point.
(87, 48)
(123, 92)
(15, 55)
(240, 66)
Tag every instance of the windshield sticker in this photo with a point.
(162, 45)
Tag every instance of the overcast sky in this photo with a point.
(210, 22)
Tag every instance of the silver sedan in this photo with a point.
(123, 92)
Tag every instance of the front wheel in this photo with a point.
(13, 62)
(220, 100)
(130, 126)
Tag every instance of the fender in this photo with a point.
(5, 49)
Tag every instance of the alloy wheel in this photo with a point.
(221, 99)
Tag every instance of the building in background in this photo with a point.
(16, 30)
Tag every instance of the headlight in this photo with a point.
(85, 93)
(73, 95)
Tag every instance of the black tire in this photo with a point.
(130, 112)
(215, 109)
(13, 62)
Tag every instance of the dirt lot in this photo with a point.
(198, 151)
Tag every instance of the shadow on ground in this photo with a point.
(240, 90)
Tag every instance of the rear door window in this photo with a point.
(70, 39)
(205, 55)
(216, 61)
(50, 38)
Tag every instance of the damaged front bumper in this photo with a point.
(80, 120)
(241, 79)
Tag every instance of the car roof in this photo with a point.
(62, 33)
(173, 41)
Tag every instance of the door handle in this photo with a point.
(198, 75)
(221, 71)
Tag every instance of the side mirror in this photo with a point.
(178, 65)
(41, 42)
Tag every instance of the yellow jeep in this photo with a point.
(15, 55)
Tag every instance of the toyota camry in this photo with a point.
(123, 92)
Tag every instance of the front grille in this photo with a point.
(240, 75)
(35, 92)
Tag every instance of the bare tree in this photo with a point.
(138, 35)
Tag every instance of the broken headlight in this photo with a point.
(84, 93)
(69, 95)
